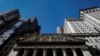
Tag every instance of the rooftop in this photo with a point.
(8, 11)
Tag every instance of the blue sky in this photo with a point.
(50, 13)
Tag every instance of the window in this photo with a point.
(87, 41)
(90, 40)
(96, 40)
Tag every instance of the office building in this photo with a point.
(89, 23)
(11, 25)
(22, 38)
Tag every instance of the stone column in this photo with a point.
(64, 52)
(35, 52)
(44, 53)
(74, 52)
(25, 52)
(54, 52)
(86, 53)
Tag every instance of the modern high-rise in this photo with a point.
(88, 24)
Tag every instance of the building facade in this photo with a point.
(50, 45)
(76, 38)
(89, 23)
(11, 25)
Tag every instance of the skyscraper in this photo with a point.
(71, 43)
(11, 25)
(88, 24)
(22, 38)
